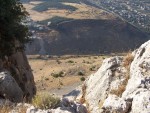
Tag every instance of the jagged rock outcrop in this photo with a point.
(118, 87)
(138, 87)
(114, 103)
(19, 78)
(107, 80)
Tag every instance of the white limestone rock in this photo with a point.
(141, 102)
(139, 71)
(32, 109)
(111, 75)
(108, 77)
(115, 104)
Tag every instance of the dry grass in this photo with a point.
(128, 60)
(45, 101)
(5, 109)
(8, 109)
(118, 91)
(101, 103)
(126, 63)
(45, 68)
(83, 12)
(122, 87)
(82, 99)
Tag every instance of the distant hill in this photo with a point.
(88, 37)
(77, 27)
(23, 1)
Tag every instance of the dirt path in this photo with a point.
(64, 90)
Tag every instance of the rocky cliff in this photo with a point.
(16, 78)
(121, 85)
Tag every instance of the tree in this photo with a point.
(12, 13)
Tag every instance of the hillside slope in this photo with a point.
(88, 37)
(85, 30)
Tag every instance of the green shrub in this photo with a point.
(56, 75)
(82, 78)
(80, 73)
(92, 68)
(45, 101)
(70, 61)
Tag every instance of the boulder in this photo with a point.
(9, 89)
(32, 109)
(141, 102)
(115, 104)
(74, 107)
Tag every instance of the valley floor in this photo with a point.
(60, 75)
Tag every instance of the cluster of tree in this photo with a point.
(12, 13)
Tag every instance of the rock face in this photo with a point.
(114, 103)
(16, 82)
(9, 88)
(105, 81)
(120, 88)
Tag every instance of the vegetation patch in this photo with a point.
(5, 109)
(45, 101)
(82, 78)
(82, 99)
(128, 60)
(56, 75)
(118, 92)
(13, 33)
(80, 73)
(92, 68)
(70, 61)
(8, 108)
